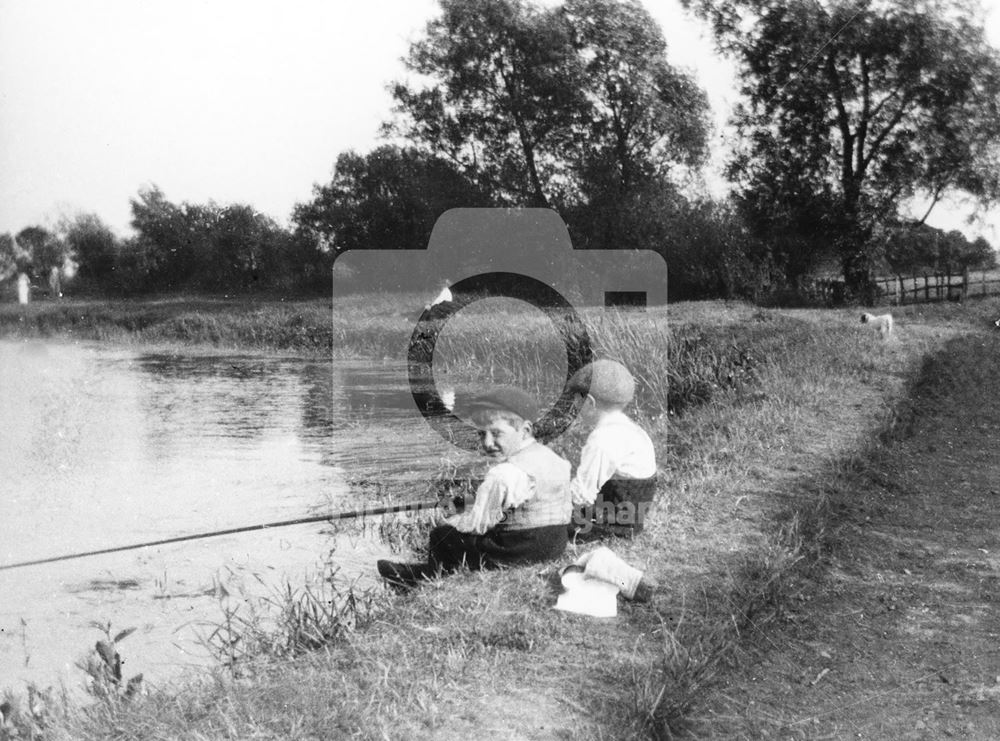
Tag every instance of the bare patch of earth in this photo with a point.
(894, 633)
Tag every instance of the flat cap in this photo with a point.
(605, 380)
(505, 398)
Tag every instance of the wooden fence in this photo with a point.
(927, 287)
(913, 289)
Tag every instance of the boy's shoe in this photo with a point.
(644, 592)
(405, 575)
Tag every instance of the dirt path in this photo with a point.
(897, 633)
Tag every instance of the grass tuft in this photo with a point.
(291, 621)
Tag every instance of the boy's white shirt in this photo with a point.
(617, 446)
(505, 486)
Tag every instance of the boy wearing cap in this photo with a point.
(615, 482)
(520, 510)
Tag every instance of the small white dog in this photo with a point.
(882, 323)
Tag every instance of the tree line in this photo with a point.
(176, 247)
(848, 110)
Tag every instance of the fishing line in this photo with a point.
(372, 511)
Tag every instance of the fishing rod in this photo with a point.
(371, 511)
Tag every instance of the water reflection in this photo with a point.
(380, 434)
(231, 397)
(321, 396)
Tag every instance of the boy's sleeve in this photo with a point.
(596, 467)
(505, 486)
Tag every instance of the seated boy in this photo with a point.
(520, 510)
(615, 482)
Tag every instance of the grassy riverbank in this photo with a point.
(755, 414)
(246, 324)
(680, 362)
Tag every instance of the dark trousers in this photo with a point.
(619, 510)
(449, 548)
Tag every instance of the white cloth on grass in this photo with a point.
(593, 581)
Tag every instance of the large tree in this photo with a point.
(41, 250)
(163, 255)
(94, 247)
(504, 92)
(572, 106)
(208, 246)
(643, 118)
(854, 107)
(642, 122)
(8, 256)
(386, 199)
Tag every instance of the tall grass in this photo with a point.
(676, 367)
(292, 620)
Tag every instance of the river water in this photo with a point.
(104, 447)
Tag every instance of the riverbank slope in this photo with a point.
(892, 626)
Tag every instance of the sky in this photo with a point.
(245, 101)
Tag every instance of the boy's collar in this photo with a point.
(527, 443)
(609, 416)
